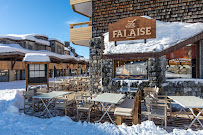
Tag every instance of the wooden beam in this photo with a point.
(13, 62)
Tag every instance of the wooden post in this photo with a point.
(118, 120)
(48, 76)
(26, 76)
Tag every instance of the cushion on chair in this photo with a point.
(86, 106)
(125, 108)
(122, 113)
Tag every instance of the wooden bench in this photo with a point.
(129, 109)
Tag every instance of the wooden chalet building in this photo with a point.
(14, 47)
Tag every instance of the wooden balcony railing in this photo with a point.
(80, 33)
(73, 2)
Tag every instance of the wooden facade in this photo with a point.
(108, 11)
(19, 65)
(81, 33)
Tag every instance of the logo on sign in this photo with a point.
(132, 28)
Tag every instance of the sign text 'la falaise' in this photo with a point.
(132, 28)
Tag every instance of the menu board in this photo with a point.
(37, 73)
(37, 70)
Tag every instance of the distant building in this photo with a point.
(27, 41)
(64, 60)
(57, 46)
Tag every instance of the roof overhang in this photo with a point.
(126, 56)
(84, 8)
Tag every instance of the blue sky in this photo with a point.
(49, 17)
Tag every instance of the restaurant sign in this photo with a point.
(132, 28)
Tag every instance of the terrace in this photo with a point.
(80, 33)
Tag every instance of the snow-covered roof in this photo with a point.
(66, 49)
(27, 37)
(12, 48)
(168, 34)
(36, 57)
(80, 58)
(54, 39)
(40, 35)
(72, 54)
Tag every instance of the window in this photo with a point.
(3, 72)
(136, 69)
(182, 63)
(37, 70)
(3, 75)
(30, 47)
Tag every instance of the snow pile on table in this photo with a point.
(13, 122)
(36, 57)
(30, 37)
(167, 35)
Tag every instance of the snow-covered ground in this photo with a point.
(12, 122)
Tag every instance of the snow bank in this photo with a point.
(36, 57)
(128, 81)
(167, 35)
(185, 80)
(14, 122)
(27, 37)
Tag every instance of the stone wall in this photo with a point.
(189, 87)
(107, 75)
(95, 64)
(156, 71)
(201, 58)
(110, 11)
(101, 71)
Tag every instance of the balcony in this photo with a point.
(83, 7)
(80, 33)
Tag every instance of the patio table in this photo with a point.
(189, 102)
(50, 96)
(109, 98)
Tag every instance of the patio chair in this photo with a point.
(157, 110)
(154, 98)
(62, 86)
(83, 106)
(129, 109)
(152, 91)
(65, 103)
(42, 90)
(51, 86)
(28, 101)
